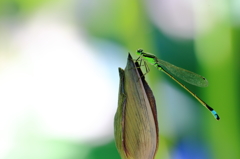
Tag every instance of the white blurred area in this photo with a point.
(184, 19)
(52, 86)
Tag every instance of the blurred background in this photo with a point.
(59, 75)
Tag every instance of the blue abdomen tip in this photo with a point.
(215, 114)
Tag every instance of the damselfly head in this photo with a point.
(139, 51)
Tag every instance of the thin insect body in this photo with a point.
(185, 75)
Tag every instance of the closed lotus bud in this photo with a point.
(135, 123)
